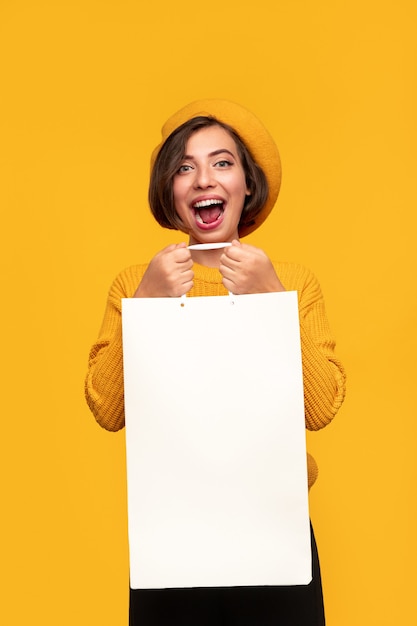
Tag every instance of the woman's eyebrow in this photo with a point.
(212, 154)
(221, 151)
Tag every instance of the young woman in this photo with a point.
(216, 177)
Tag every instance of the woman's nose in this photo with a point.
(204, 178)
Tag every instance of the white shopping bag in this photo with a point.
(215, 442)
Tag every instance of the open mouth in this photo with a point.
(208, 211)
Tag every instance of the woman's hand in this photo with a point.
(169, 274)
(246, 269)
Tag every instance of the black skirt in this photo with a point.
(300, 605)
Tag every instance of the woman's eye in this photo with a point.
(223, 163)
(184, 168)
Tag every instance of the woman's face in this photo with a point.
(210, 187)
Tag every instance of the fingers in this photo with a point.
(177, 269)
(172, 256)
(169, 274)
(235, 258)
(182, 254)
(230, 267)
(247, 269)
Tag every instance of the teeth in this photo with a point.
(205, 203)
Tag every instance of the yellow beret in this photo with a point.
(251, 131)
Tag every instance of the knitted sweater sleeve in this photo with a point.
(323, 374)
(104, 390)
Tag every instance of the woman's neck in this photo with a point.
(209, 258)
(204, 254)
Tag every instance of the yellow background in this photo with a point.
(85, 87)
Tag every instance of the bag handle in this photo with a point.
(208, 246)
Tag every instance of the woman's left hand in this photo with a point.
(246, 269)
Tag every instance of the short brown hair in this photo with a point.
(168, 161)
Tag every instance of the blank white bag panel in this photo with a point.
(215, 442)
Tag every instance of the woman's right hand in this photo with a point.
(169, 274)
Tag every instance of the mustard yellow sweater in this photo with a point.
(323, 374)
